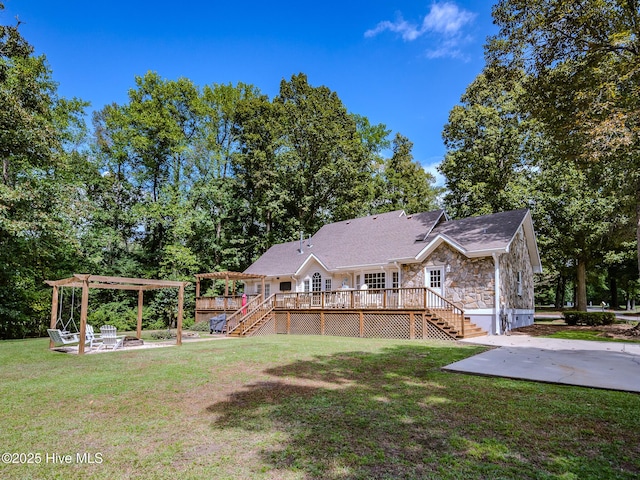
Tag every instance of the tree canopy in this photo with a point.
(177, 180)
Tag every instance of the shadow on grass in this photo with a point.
(395, 414)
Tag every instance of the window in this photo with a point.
(327, 285)
(258, 288)
(435, 279)
(519, 284)
(316, 282)
(306, 285)
(375, 280)
(394, 280)
(285, 286)
(267, 290)
(358, 282)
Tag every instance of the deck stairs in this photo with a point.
(470, 329)
(249, 322)
(246, 324)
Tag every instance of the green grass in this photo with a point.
(587, 335)
(294, 407)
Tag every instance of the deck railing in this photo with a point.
(232, 302)
(388, 299)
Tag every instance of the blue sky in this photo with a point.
(401, 63)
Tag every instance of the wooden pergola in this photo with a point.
(140, 285)
(227, 276)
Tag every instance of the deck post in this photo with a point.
(54, 312)
(361, 324)
(179, 322)
(140, 303)
(83, 314)
(412, 326)
(288, 323)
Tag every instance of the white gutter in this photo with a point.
(496, 301)
(399, 274)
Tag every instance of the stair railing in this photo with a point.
(254, 311)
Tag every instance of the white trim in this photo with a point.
(496, 293)
(364, 265)
(479, 311)
(530, 240)
(304, 264)
(435, 224)
(522, 311)
(440, 238)
(427, 278)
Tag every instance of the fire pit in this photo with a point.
(130, 341)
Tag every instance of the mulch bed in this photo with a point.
(619, 331)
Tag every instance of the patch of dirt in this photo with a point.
(619, 331)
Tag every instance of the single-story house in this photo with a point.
(483, 264)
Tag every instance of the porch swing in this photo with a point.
(60, 323)
(61, 333)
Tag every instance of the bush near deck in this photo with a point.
(589, 318)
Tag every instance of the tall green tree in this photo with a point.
(146, 146)
(582, 64)
(492, 148)
(406, 185)
(38, 133)
(327, 164)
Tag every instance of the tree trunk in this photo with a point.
(581, 286)
(559, 303)
(638, 223)
(5, 171)
(613, 288)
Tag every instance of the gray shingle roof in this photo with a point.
(486, 232)
(381, 239)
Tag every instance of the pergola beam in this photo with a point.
(226, 276)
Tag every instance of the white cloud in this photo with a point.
(431, 166)
(447, 19)
(444, 23)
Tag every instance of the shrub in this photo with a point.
(589, 318)
(200, 327)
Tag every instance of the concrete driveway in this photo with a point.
(608, 365)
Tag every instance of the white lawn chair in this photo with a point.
(109, 337)
(91, 338)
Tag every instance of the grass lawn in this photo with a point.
(294, 407)
(588, 335)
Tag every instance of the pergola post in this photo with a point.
(83, 314)
(197, 287)
(179, 325)
(140, 303)
(54, 312)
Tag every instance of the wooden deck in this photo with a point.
(387, 313)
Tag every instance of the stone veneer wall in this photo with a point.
(510, 263)
(469, 284)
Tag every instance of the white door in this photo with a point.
(434, 279)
